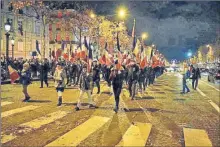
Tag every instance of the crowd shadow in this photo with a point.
(39, 101)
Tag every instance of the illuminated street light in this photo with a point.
(122, 12)
(153, 45)
(144, 36)
(92, 15)
(189, 54)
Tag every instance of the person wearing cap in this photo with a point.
(25, 80)
(116, 77)
(96, 75)
(59, 76)
(85, 85)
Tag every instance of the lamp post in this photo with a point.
(7, 29)
(12, 44)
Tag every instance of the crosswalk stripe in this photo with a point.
(136, 135)
(196, 137)
(78, 134)
(35, 124)
(5, 103)
(18, 110)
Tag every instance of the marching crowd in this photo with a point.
(79, 73)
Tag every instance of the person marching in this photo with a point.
(116, 77)
(44, 69)
(132, 80)
(96, 75)
(25, 80)
(85, 85)
(59, 76)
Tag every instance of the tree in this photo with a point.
(200, 57)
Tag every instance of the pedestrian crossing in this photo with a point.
(18, 110)
(136, 134)
(5, 103)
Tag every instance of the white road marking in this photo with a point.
(81, 132)
(136, 135)
(35, 124)
(6, 103)
(210, 85)
(196, 138)
(18, 110)
(210, 101)
(203, 94)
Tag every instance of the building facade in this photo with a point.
(25, 38)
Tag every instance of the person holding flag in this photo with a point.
(25, 80)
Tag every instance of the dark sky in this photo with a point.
(175, 27)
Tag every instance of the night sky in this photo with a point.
(175, 27)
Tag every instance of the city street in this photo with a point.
(161, 116)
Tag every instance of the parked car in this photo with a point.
(214, 75)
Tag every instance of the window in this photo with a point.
(37, 28)
(2, 4)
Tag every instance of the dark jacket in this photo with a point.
(85, 81)
(117, 79)
(25, 77)
(96, 73)
(196, 73)
(44, 69)
(141, 75)
(133, 73)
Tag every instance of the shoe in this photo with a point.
(132, 99)
(59, 101)
(77, 108)
(98, 92)
(47, 85)
(91, 106)
(116, 110)
(26, 99)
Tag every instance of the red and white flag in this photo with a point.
(13, 74)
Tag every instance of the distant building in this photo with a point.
(32, 30)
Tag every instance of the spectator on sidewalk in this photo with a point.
(186, 77)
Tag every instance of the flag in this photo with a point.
(142, 47)
(85, 43)
(120, 57)
(151, 54)
(62, 45)
(134, 36)
(53, 54)
(118, 44)
(84, 52)
(37, 47)
(58, 53)
(143, 63)
(13, 74)
(65, 56)
(136, 50)
(90, 52)
(106, 46)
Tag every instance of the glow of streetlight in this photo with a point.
(122, 12)
(92, 15)
(189, 54)
(12, 41)
(144, 36)
(153, 45)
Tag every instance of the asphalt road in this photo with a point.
(161, 116)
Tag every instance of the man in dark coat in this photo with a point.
(96, 75)
(117, 81)
(44, 68)
(132, 80)
(195, 77)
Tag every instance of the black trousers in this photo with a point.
(43, 81)
(141, 85)
(195, 83)
(132, 88)
(117, 92)
(97, 82)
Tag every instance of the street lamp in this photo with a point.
(12, 44)
(7, 29)
(144, 36)
(122, 12)
(92, 15)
